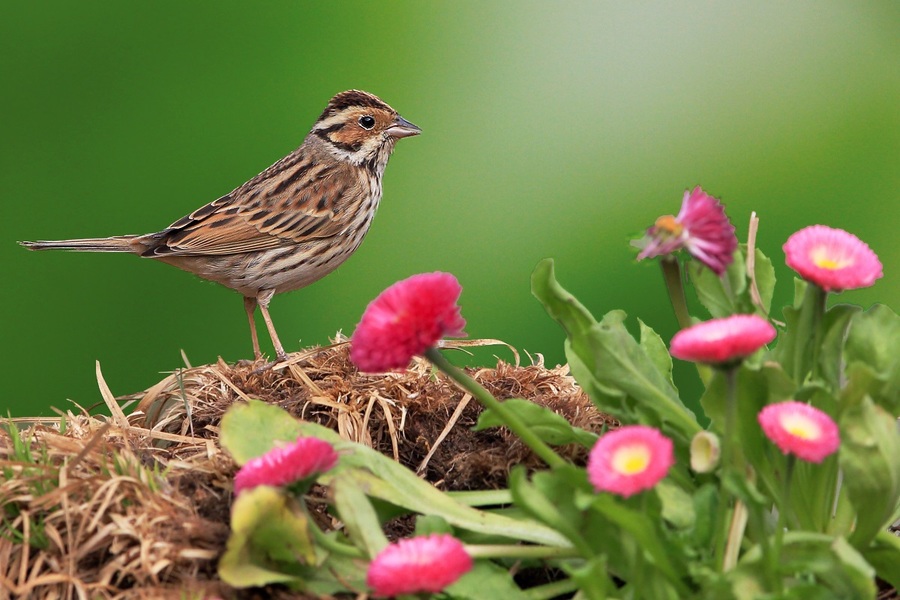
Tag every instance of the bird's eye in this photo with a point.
(367, 122)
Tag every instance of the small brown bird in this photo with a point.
(289, 226)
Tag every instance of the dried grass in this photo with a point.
(136, 505)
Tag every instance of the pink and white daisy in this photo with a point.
(833, 259)
(800, 429)
(405, 320)
(284, 465)
(629, 460)
(701, 227)
(722, 340)
(421, 564)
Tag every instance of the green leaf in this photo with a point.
(666, 557)
(360, 520)
(884, 554)
(592, 577)
(620, 363)
(677, 505)
(387, 480)
(836, 565)
(720, 295)
(251, 429)
(798, 345)
(560, 304)
(705, 500)
(874, 340)
(549, 499)
(831, 350)
(485, 580)
(268, 535)
(765, 280)
(657, 351)
(429, 524)
(381, 477)
(546, 424)
(870, 458)
(615, 371)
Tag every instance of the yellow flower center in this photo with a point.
(824, 259)
(630, 460)
(670, 224)
(801, 427)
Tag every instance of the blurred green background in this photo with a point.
(550, 130)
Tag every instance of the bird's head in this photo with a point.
(361, 128)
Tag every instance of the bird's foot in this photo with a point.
(282, 357)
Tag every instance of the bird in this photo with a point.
(289, 226)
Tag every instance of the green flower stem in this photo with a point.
(520, 551)
(782, 512)
(820, 299)
(761, 536)
(675, 286)
(512, 421)
(671, 269)
(551, 590)
(812, 311)
(332, 545)
(724, 513)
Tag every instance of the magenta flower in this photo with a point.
(405, 320)
(800, 429)
(701, 227)
(421, 564)
(722, 340)
(283, 465)
(629, 460)
(833, 259)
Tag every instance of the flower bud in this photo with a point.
(705, 451)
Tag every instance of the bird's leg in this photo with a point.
(263, 298)
(250, 307)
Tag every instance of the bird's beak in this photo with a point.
(402, 128)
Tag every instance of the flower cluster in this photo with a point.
(730, 461)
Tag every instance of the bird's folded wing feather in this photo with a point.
(265, 213)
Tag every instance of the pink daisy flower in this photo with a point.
(800, 429)
(701, 227)
(833, 259)
(722, 340)
(421, 564)
(283, 465)
(629, 460)
(405, 320)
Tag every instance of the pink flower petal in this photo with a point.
(800, 429)
(722, 340)
(405, 320)
(833, 259)
(283, 465)
(629, 460)
(421, 564)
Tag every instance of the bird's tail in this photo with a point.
(119, 243)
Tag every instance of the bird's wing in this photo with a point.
(289, 203)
